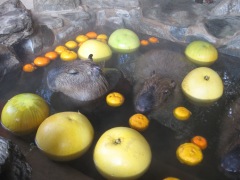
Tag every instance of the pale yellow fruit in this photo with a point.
(99, 50)
(65, 136)
(122, 153)
(23, 113)
(124, 41)
(202, 86)
(201, 52)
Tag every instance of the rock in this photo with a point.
(111, 4)
(13, 165)
(229, 142)
(15, 22)
(55, 5)
(9, 69)
(226, 7)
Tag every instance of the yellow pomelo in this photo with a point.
(100, 51)
(23, 113)
(201, 52)
(202, 86)
(65, 136)
(124, 41)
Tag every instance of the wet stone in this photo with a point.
(13, 165)
(15, 22)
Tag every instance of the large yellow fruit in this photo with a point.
(202, 86)
(122, 153)
(99, 50)
(201, 52)
(23, 113)
(65, 136)
(124, 41)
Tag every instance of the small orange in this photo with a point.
(71, 44)
(181, 113)
(51, 55)
(81, 38)
(41, 61)
(153, 40)
(115, 99)
(144, 42)
(171, 178)
(189, 154)
(91, 35)
(200, 141)
(29, 67)
(60, 49)
(139, 122)
(68, 55)
(102, 40)
(102, 36)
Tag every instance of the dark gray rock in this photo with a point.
(13, 165)
(9, 68)
(15, 22)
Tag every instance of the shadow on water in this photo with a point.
(161, 139)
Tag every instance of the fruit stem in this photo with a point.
(117, 141)
(206, 78)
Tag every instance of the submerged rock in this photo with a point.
(15, 22)
(13, 165)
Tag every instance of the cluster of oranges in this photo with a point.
(66, 52)
(146, 42)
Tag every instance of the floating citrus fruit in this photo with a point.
(91, 35)
(124, 41)
(41, 61)
(202, 86)
(51, 55)
(189, 153)
(23, 113)
(29, 67)
(65, 136)
(144, 42)
(200, 141)
(100, 51)
(102, 36)
(115, 99)
(153, 40)
(60, 49)
(68, 55)
(171, 178)
(181, 113)
(71, 44)
(139, 122)
(81, 38)
(201, 52)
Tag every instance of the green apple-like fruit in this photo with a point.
(124, 41)
(100, 51)
(201, 53)
(122, 153)
(202, 86)
(23, 113)
(65, 136)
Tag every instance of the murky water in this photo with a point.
(162, 140)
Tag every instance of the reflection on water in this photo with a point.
(161, 139)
